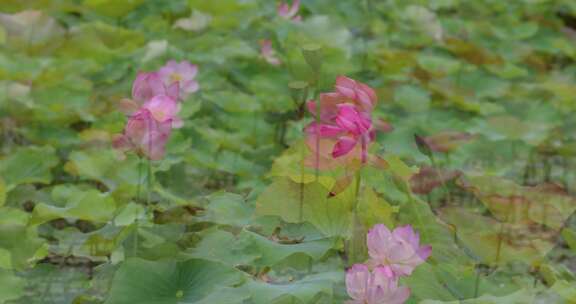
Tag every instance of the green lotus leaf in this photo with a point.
(165, 282)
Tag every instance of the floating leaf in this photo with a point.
(308, 202)
(28, 165)
(165, 282)
(11, 286)
(304, 290)
(75, 203)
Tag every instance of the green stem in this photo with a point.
(356, 231)
(150, 177)
(301, 206)
(139, 186)
(138, 190)
(501, 232)
(477, 282)
(135, 244)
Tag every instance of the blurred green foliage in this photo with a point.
(74, 226)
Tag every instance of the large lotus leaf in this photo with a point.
(227, 14)
(412, 98)
(249, 247)
(324, 31)
(305, 290)
(440, 65)
(234, 101)
(48, 283)
(309, 202)
(165, 282)
(75, 203)
(101, 42)
(519, 297)
(496, 242)
(104, 166)
(19, 243)
(546, 204)
(373, 209)
(228, 209)
(11, 286)
(112, 8)
(64, 102)
(221, 246)
(28, 165)
(271, 252)
(565, 290)
(433, 231)
(432, 282)
(508, 127)
(31, 29)
(289, 165)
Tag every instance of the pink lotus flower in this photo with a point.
(164, 108)
(268, 53)
(145, 87)
(397, 252)
(347, 91)
(376, 287)
(350, 127)
(150, 84)
(182, 73)
(144, 135)
(289, 12)
(362, 94)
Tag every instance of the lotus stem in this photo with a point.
(501, 232)
(355, 248)
(477, 282)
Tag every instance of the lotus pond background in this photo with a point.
(488, 85)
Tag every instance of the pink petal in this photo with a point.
(283, 9)
(345, 86)
(190, 86)
(424, 252)
(364, 100)
(162, 108)
(146, 86)
(177, 123)
(343, 146)
(357, 280)
(187, 70)
(294, 8)
(377, 239)
(173, 91)
(368, 91)
(323, 130)
(407, 234)
(348, 118)
(154, 146)
(383, 274)
(400, 295)
(311, 106)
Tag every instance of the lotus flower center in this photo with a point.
(175, 77)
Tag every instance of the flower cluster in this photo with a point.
(154, 107)
(392, 254)
(344, 119)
